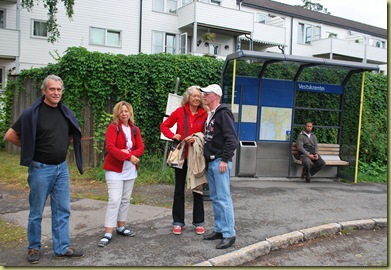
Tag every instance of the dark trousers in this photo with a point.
(312, 166)
(178, 207)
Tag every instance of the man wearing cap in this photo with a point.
(220, 144)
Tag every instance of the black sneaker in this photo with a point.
(33, 256)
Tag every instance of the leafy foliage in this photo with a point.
(101, 80)
(51, 6)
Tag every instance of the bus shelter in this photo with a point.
(273, 95)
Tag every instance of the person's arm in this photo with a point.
(300, 145)
(169, 123)
(229, 134)
(12, 136)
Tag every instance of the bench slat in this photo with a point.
(329, 150)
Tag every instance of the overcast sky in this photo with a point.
(372, 12)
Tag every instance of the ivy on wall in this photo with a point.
(100, 80)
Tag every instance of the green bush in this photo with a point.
(101, 79)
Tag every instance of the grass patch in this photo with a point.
(368, 178)
(12, 235)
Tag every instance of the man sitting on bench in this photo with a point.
(308, 152)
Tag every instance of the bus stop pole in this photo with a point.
(359, 128)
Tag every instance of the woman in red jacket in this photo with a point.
(196, 115)
(124, 146)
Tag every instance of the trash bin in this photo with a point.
(247, 158)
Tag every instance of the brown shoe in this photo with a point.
(33, 256)
(72, 253)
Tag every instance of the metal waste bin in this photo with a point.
(247, 158)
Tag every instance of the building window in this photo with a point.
(167, 6)
(186, 2)
(307, 33)
(377, 43)
(2, 18)
(215, 2)
(39, 29)
(105, 37)
(261, 18)
(164, 42)
(185, 42)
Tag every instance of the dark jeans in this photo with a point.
(312, 166)
(178, 207)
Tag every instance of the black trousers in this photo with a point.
(312, 167)
(178, 207)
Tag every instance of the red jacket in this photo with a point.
(114, 143)
(195, 123)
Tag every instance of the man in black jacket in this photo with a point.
(44, 132)
(220, 143)
(308, 152)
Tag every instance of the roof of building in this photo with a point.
(301, 13)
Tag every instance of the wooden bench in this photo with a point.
(329, 153)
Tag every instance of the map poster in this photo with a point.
(275, 123)
(173, 102)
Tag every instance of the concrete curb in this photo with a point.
(249, 253)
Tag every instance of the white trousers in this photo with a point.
(119, 201)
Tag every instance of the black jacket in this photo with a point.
(29, 119)
(220, 136)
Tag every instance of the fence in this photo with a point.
(26, 97)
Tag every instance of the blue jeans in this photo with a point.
(53, 180)
(219, 192)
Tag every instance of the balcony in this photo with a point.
(348, 50)
(9, 43)
(269, 34)
(215, 17)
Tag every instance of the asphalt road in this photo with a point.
(263, 209)
(357, 248)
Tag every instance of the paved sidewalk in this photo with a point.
(269, 214)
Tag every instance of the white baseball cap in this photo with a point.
(213, 88)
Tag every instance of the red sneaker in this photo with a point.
(200, 230)
(177, 230)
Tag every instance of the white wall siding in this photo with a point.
(114, 15)
(7, 43)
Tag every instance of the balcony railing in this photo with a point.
(269, 34)
(349, 49)
(9, 43)
(215, 17)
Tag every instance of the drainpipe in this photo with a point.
(140, 26)
(17, 60)
(291, 39)
(195, 37)
(251, 42)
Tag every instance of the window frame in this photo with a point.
(264, 18)
(165, 6)
(306, 33)
(106, 39)
(162, 45)
(33, 21)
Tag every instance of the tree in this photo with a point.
(309, 4)
(51, 6)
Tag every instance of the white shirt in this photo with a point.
(129, 169)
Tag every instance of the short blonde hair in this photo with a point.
(117, 111)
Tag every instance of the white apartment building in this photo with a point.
(214, 27)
